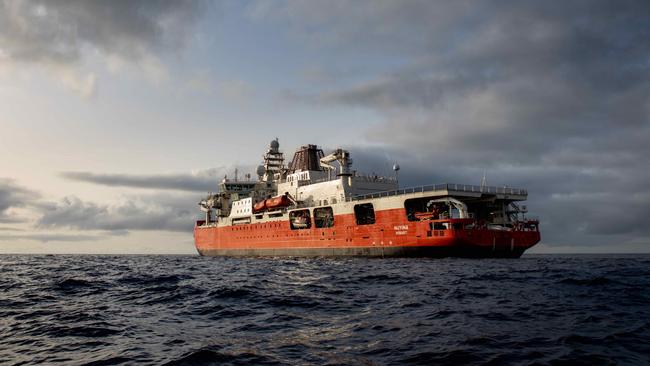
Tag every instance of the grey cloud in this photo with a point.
(172, 211)
(45, 238)
(576, 67)
(147, 212)
(381, 25)
(10, 229)
(14, 196)
(516, 76)
(401, 91)
(59, 31)
(201, 181)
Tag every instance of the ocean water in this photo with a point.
(190, 310)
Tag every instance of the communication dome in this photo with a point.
(260, 170)
(275, 144)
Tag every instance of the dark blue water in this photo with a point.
(102, 310)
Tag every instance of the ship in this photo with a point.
(317, 205)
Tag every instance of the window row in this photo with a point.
(301, 219)
(324, 217)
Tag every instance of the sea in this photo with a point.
(192, 310)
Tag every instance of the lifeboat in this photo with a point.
(277, 202)
(259, 206)
(272, 203)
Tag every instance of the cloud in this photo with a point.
(59, 35)
(14, 196)
(381, 25)
(58, 32)
(147, 212)
(45, 238)
(10, 229)
(200, 181)
(74, 218)
(157, 211)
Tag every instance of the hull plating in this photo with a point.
(380, 252)
(391, 236)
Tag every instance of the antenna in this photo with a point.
(396, 169)
(484, 181)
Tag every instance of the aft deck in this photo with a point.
(450, 189)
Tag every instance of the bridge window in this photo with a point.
(364, 213)
(323, 217)
(299, 219)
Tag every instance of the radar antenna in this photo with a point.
(396, 169)
(273, 165)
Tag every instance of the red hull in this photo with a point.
(391, 235)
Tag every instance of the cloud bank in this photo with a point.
(200, 181)
(151, 212)
(47, 238)
(14, 196)
(73, 219)
(59, 32)
(59, 35)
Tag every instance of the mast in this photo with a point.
(273, 164)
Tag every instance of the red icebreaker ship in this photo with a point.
(319, 206)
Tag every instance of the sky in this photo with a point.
(117, 117)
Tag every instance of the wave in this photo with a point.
(594, 281)
(211, 357)
(151, 310)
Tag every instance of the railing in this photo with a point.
(375, 178)
(358, 177)
(440, 187)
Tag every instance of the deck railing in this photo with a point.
(440, 187)
(358, 177)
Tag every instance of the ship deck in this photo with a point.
(450, 189)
